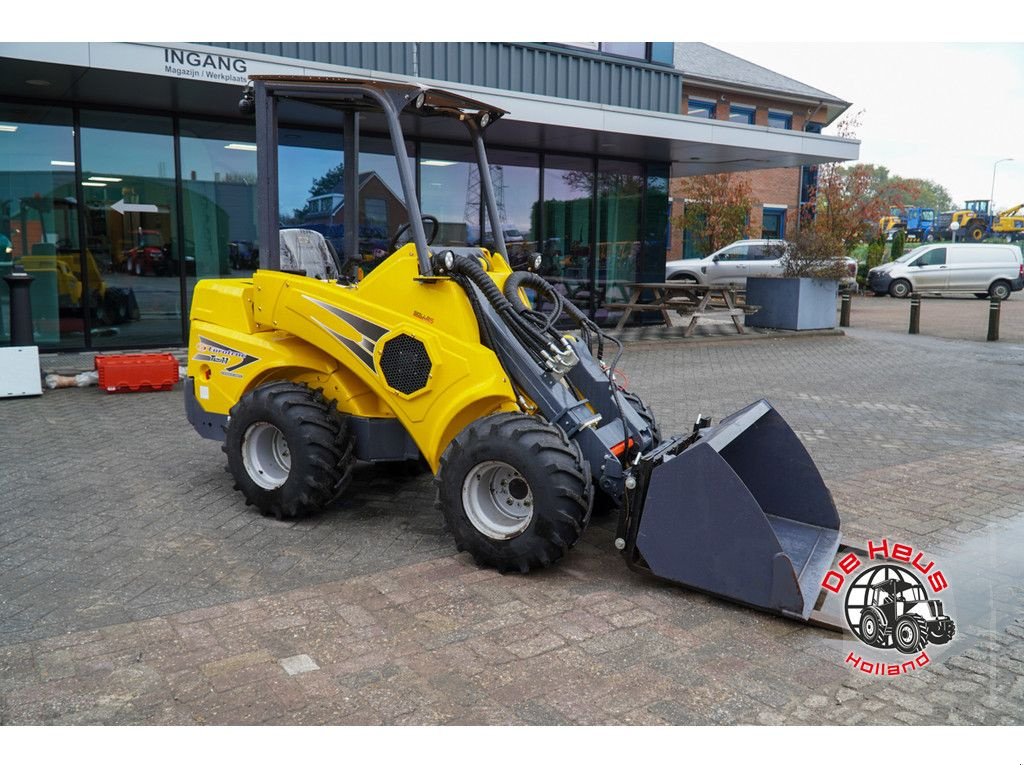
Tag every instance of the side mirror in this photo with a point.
(716, 258)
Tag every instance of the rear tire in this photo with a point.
(1000, 289)
(289, 450)
(515, 491)
(910, 634)
(872, 631)
(900, 289)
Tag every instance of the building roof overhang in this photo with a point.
(139, 75)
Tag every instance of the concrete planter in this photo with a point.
(792, 303)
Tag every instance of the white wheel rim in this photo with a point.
(497, 499)
(869, 627)
(266, 456)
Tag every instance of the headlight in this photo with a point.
(536, 260)
(449, 260)
(420, 99)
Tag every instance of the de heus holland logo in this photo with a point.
(891, 606)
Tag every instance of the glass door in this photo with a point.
(130, 209)
(39, 222)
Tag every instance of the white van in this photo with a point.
(982, 269)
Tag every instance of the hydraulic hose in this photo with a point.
(534, 329)
(547, 348)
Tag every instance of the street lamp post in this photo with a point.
(992, 194)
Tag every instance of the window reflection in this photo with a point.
(450, 191)
(516, 181)
(39, 223)
(568, 187)
(619, 193)
(130, 210)
(218, 169)
(311, 188)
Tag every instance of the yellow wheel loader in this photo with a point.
(443, 353)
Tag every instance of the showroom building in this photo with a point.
(127, 172)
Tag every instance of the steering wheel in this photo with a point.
(403, 229)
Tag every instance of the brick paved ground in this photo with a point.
(950, 317)
(135, 587)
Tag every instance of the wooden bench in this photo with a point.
(683, 299)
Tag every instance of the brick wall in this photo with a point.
(774, 187)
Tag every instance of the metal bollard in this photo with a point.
(994, 308)
(22, 334)
(915, 313)
(844, 311)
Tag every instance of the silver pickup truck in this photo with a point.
(736, 262)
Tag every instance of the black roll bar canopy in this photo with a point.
(352, 96)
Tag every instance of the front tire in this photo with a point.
(976, 233)
(900, 289)
(289, 450)
(942, 637)
(515, 491)
(684, 277)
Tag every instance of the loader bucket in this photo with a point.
(741, 513)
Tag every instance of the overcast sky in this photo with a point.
(943, 111)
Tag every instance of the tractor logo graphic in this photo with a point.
(888, 607)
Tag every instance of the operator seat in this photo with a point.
(308, 251)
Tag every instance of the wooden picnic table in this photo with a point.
(682, 298)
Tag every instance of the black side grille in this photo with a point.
(405, 364)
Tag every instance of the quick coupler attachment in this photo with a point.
(738, 510)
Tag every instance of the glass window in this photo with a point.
(620, 187)
(450, 181)
(131, 218)
(780, 120)
(734, 253)
(39, 224)
(567, 247)
(516, 180)
(741, 115)
(934, 258)
(662, 53)
(656, 225)
(812, 127)
(450, 190)
(700, 108)
(773, 223)
(218, 170)
(633, 50)
(311, 190)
